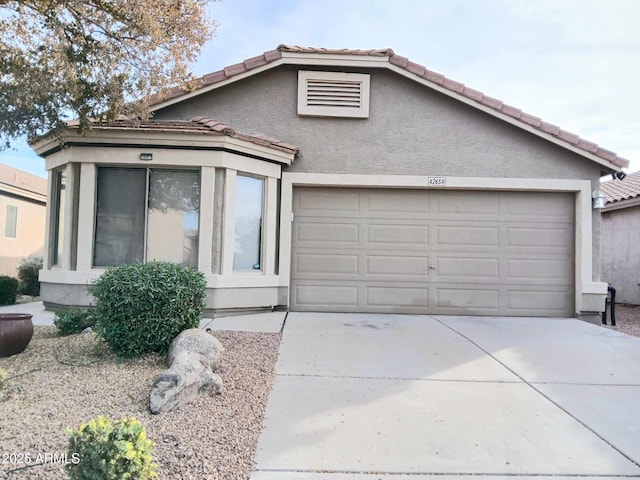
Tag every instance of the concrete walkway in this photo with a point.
(364, 397)
(256, 322)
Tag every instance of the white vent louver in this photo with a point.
(333, 94)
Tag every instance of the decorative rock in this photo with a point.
(188, 376)
(198, 341)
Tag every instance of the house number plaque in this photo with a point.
(437, 181)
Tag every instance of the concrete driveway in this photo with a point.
(401, 397)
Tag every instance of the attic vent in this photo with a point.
(333, 94)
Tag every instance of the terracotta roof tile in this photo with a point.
(413, 68)
(21, 179)
(587, 145)
(549, 128)
(255, 62)
(492, 102)
(432, 76)
(201, 125)
(618, 190)
(530, 119)
(399, 60)
(511, 111)
(568, 137)
(473, 94)
(236, 69)
(453, 85)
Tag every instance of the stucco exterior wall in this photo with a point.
(411, 130)
(29, 233)
(621, 255)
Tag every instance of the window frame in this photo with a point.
(14, 227)
(58, 231)
(147, 186)
(263, 212)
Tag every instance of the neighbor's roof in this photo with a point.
(22, 180)
(618, 190)
(387, 57)
(197, 125)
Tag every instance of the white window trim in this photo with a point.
(363, 80)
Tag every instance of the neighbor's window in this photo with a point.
(248, 223)
(60, 182)
(164, 203)
(11, 222)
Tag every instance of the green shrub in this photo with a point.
(8, 290)
(141, 308)
(102, 450)
(28, 271)
(72, 320)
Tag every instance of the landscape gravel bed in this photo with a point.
(60, 382)
(627, 319)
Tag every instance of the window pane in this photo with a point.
(11, 222)
(120, 216)
(248, 223)
(173, 216)
(58, 233)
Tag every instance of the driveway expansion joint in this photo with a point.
(542, 394)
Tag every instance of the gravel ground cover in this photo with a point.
(627, 319)
(60, 382)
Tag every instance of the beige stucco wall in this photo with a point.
(29, 235)
(621, 255)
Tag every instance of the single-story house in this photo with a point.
(23, 199)
(620, 237)
(335, 180)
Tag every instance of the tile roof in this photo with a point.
(618, 190)
(201, 125)
(420, 72)
(23, 180)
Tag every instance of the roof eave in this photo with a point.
(620, 204)
(158, 138)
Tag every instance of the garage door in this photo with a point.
(438, 252)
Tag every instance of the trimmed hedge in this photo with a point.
(8, 290)
(141, 308)
(28, 271)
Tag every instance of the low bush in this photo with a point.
(141, 308)
(8, 290)
(28, 271)
(72, 320)
(104, 450)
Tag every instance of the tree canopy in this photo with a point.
(92, 59)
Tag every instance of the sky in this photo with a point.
(574, 63)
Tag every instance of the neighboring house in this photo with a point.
(390, 189)
(23, 200)
(620, 257)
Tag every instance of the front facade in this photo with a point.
(22, 217)
(397, 190)
(620, 257)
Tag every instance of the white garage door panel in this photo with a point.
(448, 252)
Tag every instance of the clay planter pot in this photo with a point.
(16, 330)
